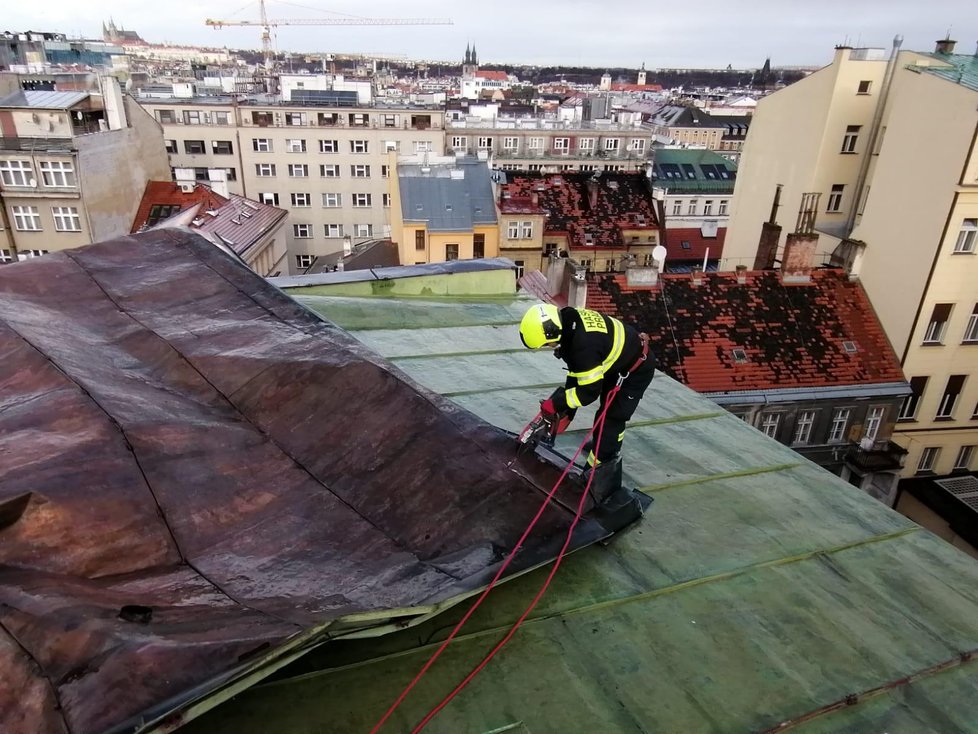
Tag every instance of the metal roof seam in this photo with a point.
(722, 475)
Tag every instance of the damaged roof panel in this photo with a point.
(200, 475)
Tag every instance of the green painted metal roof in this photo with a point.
(961, 69)
(760, 589)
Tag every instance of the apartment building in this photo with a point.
(882, 150)
(551, 145)
(325, 160)
(682, 125)
(73, 166)
(443, 210)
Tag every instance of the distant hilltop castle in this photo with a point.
(112, 34)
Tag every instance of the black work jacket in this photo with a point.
(596, 348)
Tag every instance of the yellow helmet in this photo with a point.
(540, 326)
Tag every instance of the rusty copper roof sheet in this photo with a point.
(199, 477)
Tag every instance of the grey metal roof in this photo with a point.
(430, 194)
(44, 100)
(404, 271)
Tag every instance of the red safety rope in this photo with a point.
(599, 425)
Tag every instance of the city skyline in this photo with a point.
(549, 33)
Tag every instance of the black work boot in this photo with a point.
(606, 481)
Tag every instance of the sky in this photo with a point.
(605, 33)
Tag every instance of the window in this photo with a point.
(422, 146)
(874, 420)
(952, 390)
(361, 200)
(927, 459)
(329, 171)
(385, 171)
(16, 173)
(850, 139)
(967, 237)
(803, 428)
(201, 174)
(66, 219)
(331, 201)
(835, 198)
(359, 146)
(359, 119)
(864, 87)
(329, 146)
(677, 207)
(520, 265)
(419, 239)
(971, 330)
(295, 118)
(451, 252)
(222, 147)
(6, 256)
(526, 230)
(513, 230)
(511, 143)
(363, 230)
(195, 117)
(57, 174)
(333, 230)
(262, 145)
(840, 422)
(170, 145)
(159, 212)
(459, 141)
(28, 254)
(638, 145)
(586, 143)
(722, 207)
(329, 118)
(963, 461)
(303, 261)
(298, 170)
(691, 209)
(938, 323)
(485, 143)
(295, 145)
(611, 144)
(301, 200)
(222, 118)
(360, 171)
(302, 231)
(389, 120)
(770, 423)
(26, 218)
(264, 170)
(391, 146)
(535, 144)
(708, 207)
(386, 200)
(478, 245)
(562, 145)
(268, 198)
(166, 117)
(908, 411)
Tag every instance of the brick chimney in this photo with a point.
(742, 274)
(945, 46)
(592, 193)
(696, 275)
(767, 245)
(799, 253)
(577, 288)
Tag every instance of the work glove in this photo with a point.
(558, 421)
(548, 410)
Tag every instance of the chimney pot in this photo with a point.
(945, 46)
(696, 275)
(742, 274)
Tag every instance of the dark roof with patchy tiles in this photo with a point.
(793, 335)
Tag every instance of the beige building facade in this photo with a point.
(329, 167)
(73, 166)
(891, 148)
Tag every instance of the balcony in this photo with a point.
(875, 456)
(577, 155)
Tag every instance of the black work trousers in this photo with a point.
(622, 407)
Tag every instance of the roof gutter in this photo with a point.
(794, 394)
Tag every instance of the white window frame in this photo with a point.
(302, 231)
(261, 145)
(332, 231)
(928, 457)
(534, 144)
(363, 230)
(513, 230)
(874, 421)
(851, 139)
(722, 207)
(677, 208)
(28, 254)
(967, 237)
(936, 330)
(222, 117)
(269, 198)
(386, 200)
(359, 146)
(329, 146)
(612, 144)
(16, 173)
(770, 423)
(963, 460)
(691, 208)
(361, 201)
(840, 425)
(26, 218)
(332, 200)
(511, 143)
(265, 170)
(803, 427)
(295, 145)
(485, 142)
(58, 174)
(422, 146)
(834, 202)
(526, 230)
(360, 170)
(66, 219)
(585, 143)
(385, 170)
(301, 200)
(971, 330)
(708, 207)
(298, 170)
(459, 141)
(303, 261)
(329, 170)
(562, 145)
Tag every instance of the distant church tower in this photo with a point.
(641, 75)
(470, 64)
(605, 84)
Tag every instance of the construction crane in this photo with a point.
(266, 24)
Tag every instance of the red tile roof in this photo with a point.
(792, 334)
(697, 244)
(623, 200)
(636, 87)
(499, 76)
(237, 221)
